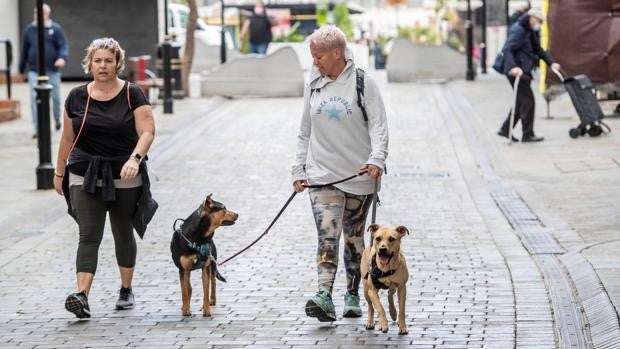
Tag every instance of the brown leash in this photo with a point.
(286, 205)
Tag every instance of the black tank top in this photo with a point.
(260, 29)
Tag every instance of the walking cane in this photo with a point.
(514, 110)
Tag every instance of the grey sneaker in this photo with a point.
(77, 303)
(321, 307)
(125, 299)
(351, 305)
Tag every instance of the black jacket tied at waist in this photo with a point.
(97, 165)
(145, 206)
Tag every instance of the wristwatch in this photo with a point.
(136, 157)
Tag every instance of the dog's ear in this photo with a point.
(208, 202)
(402, 230)
(373, 228)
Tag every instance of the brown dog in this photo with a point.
(193, 248)
(384, 267)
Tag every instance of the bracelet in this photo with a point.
(135, 158)
(58, 174)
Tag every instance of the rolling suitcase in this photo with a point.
(584, 100)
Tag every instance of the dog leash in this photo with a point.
(375, 200)
(284, 208)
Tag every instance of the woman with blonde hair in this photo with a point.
(341, 133)
(107, 131)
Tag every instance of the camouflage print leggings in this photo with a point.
(334, 212)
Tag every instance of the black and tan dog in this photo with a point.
(192, 248)
(383, 266)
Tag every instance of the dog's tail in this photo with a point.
(219, 276)
(215, 271)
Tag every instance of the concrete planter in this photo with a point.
(408, 62)
(278, 74)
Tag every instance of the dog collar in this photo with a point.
(375, 274)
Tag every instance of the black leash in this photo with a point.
(375, 199)
(284, 208)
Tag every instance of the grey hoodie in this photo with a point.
(334, 141)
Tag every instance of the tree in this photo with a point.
(342, 19)
(188, 52)
(322, 10)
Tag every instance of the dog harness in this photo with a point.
(375, 274)
(207, 251)
(204, 250)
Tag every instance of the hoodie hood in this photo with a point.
(348, 56)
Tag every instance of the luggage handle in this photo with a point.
(560, 73)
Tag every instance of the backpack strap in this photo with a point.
(359, 87)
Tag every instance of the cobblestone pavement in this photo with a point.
(472, 284)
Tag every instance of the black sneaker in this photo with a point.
(77, 303)
(125, 299)
(526, 139)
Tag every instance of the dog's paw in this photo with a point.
(206, 312)
(383, 325)
(370, 326)
(187, 313)
(403, 331)
(212, 302)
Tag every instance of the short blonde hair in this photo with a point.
(328, 37)
(104, 44)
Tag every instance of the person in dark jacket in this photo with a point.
(56, 52)
(521, 54)
(259, 28)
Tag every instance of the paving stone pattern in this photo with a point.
(460, 293)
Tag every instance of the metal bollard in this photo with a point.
(45, 169)
(167, 74)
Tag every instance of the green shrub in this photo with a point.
(420, 35)
(342, 19)
(322, 11)
(292, 36)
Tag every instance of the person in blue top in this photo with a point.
(56, 53)
(521, 54)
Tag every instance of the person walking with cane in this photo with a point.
(520, 56)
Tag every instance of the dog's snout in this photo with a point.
(383, 251)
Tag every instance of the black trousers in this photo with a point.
(91, 211)
(525, 107)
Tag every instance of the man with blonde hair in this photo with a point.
(341, 133)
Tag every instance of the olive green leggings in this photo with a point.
(90, 210)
